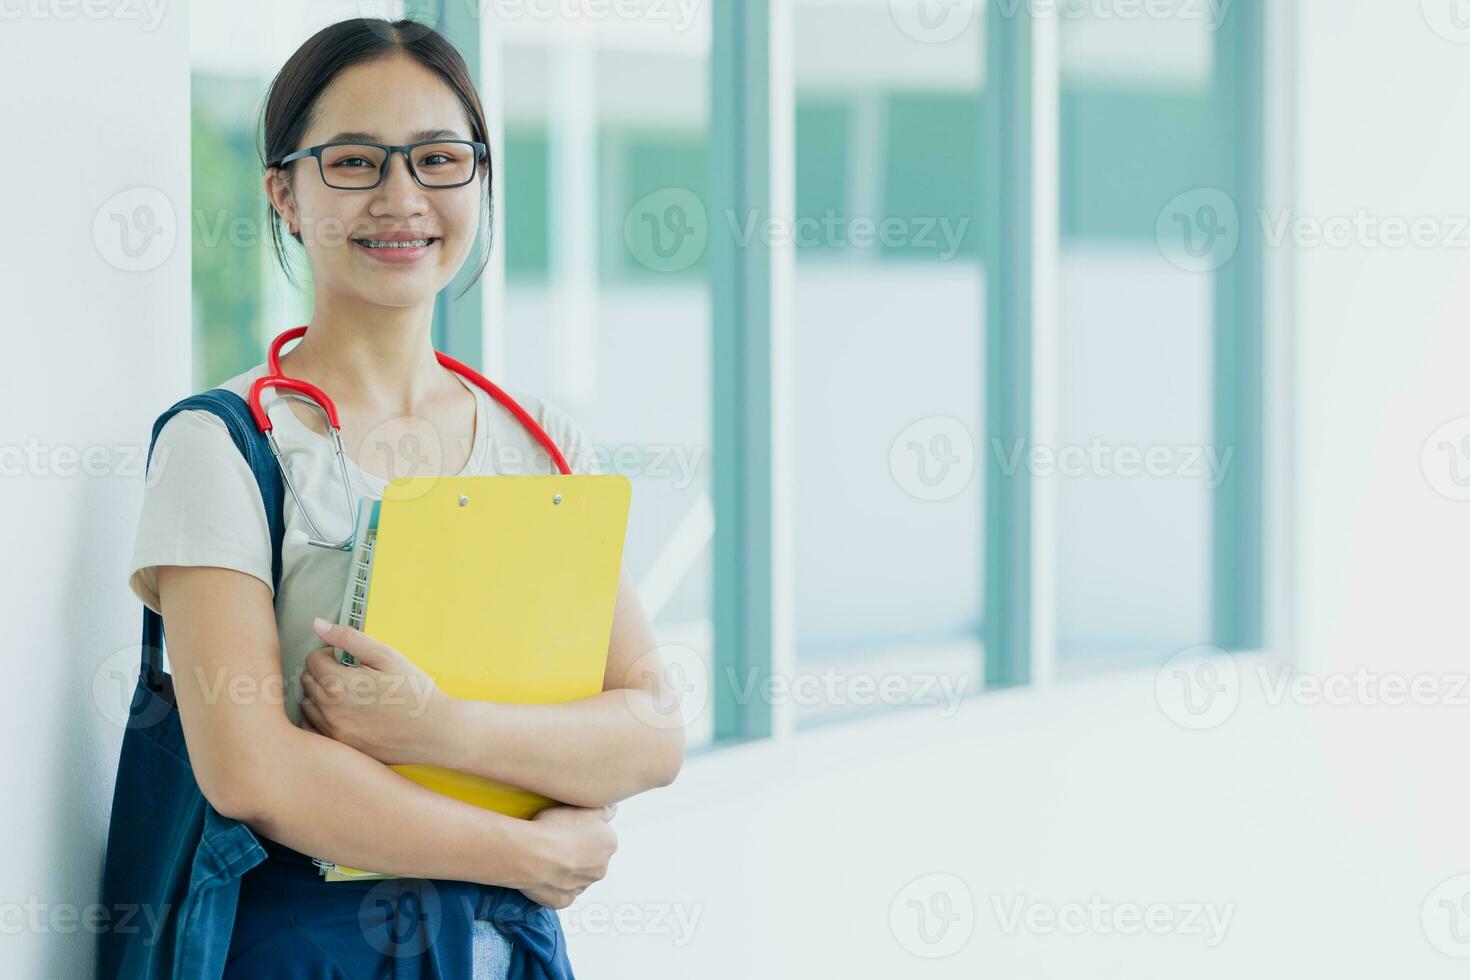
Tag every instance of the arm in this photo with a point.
(324, 798)
(589, 752)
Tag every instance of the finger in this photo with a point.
(327, 683)
(334, 676)
(313, 715)
(367, 650)
(322, 664)
(315, 690)
(606, 812)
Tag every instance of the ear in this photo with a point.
(282, 200)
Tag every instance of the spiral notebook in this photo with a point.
(501, 588)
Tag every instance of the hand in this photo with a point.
(572, 852)
(385, 707)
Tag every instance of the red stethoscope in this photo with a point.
(307, 392)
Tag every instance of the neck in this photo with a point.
(375, 357)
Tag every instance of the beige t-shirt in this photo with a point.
(201, 505)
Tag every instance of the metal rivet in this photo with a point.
(463, 500)
(556, 499)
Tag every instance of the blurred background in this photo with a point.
(1049, 435)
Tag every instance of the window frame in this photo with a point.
(753, 111)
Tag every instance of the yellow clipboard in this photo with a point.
(501, 588)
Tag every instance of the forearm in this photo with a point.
(330, 801)
(589, 752)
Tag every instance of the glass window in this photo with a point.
(607, 137)
(1143, 160)
(889, 357)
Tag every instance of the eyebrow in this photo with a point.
(419, 137)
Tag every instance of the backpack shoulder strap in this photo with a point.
(231, 409)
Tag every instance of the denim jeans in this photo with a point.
(492, 952)
(293, 925)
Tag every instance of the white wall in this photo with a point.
(92, 353)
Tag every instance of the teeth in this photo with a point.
(420, 243)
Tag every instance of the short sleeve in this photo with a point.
(581, 455)
(201, 506)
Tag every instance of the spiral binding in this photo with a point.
(362, 569)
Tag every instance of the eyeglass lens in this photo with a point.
(357, 165)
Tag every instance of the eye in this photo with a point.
(437, 159)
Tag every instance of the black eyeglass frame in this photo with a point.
(316, 151)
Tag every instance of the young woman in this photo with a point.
(272, 741)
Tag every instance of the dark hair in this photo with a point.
(291, 101)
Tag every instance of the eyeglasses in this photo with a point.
(435, 164)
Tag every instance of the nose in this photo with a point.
(399, 193)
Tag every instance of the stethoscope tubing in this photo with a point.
(310, 393)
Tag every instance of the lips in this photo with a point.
(397, 249)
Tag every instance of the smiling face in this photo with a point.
(396, 101)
